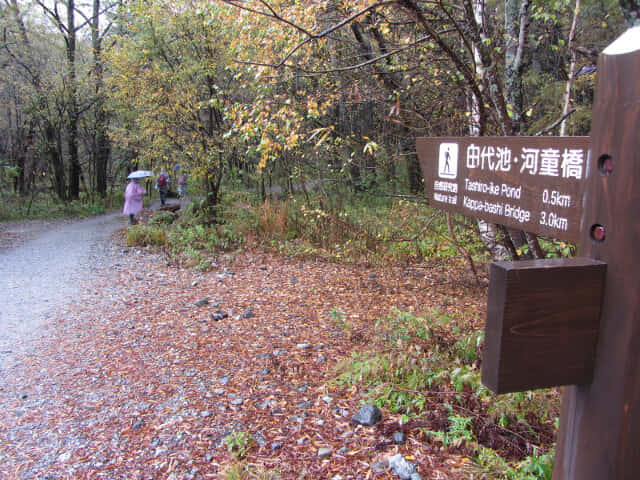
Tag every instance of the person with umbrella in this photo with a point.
(133, 195)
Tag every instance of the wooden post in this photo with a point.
(549, 185)
(599, 435)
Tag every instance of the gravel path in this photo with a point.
(138, 368)
(46, 265)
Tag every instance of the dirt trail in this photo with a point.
(45, 265)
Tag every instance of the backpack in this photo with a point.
(162, 181)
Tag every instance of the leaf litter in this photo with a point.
(134, 380)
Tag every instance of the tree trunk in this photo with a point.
(72, 104)
(54, 154)
(488, 231)
(516, 18)
(572, 69)
(102, 146)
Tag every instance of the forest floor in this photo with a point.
(152, 371)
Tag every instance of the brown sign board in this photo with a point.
(542, 323)
(535, 184)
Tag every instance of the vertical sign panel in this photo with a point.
(534, 184)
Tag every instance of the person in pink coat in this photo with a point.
(133, 199)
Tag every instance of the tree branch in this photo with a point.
(310, 36)
(555, 124)
(340, 69)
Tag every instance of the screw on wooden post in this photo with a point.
(599, 435)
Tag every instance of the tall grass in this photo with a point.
(360, 229)
(357, 229)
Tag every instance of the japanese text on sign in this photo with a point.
(534, 184)
(551, 162)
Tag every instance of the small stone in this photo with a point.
(324, 453)
(138, 425)
(402, 467)
(303, 405)
(263, 268)
(399, 438)
(194, 283)
(259, 438)
(379, 467)
(304, 346)
(321, 359)
(202, 302)
(65, 457)
(247, 314)
(368, 415)
(219, 314)
(276, 446)
(327, 399)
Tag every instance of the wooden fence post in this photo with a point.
(599, 435)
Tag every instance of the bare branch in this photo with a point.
(310, 35)
(555, 124)
(271, 14)
(340, 69)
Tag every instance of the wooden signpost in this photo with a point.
(572, 322)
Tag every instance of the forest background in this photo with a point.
(244, 95)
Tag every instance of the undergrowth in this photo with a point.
(427, 371)
(46, 207)
(361, 229)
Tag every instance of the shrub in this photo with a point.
(143, 235)
(163, 219)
